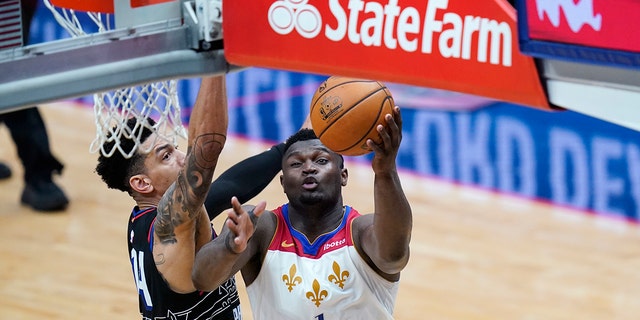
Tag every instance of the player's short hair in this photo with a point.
(304, 135)
(116, 170)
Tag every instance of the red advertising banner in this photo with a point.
(594, 23)
(458, 45)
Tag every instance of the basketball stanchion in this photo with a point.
(156, 100)
(345, 113)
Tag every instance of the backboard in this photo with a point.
(157, 41)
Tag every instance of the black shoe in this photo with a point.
(5, 171)
(44, 196)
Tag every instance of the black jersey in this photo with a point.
(156, 299)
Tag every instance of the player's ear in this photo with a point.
(140, 183)
(345, 176)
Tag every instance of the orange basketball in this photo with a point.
(346, 111)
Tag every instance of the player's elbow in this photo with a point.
(201, 281)
(394, 262)
(202, 278)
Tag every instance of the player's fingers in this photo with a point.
(236, 206)
(233, 225)
(395, 124)
(256, 212)
(259, 208)
(232, 216)
(383, 131)
(375, 147)
(397, 116)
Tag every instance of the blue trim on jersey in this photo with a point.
(313, 248)
(150, 235)
(137, 214)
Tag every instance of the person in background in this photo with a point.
(30, 137)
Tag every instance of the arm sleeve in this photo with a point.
(245, 180)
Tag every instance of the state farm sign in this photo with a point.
(398, 28)
(461, 46)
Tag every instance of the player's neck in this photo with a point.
(314, 222)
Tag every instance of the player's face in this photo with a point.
(163, 163)
(311, 173)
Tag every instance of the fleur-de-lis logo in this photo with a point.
(291, 279)
(338, 277)
(317, 295)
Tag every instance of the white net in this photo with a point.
(112, 109)
(158, 101)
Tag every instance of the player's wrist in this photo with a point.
(228, 243)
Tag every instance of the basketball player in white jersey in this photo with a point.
(315, 257)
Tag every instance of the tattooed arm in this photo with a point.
(182, 225)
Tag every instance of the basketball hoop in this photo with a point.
(112, 109)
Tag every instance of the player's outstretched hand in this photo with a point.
(242, 224)
(386, 152)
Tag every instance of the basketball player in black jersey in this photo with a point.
(169, 222)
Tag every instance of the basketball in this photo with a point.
(346, 111)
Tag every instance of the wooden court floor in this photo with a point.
(475, 255)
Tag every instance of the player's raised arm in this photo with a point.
(386, 242)
(181, 224)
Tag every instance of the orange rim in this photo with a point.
(104, 6)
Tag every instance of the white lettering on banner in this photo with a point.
(473, 146)
(576, 13)
(515, 144)
(604, 153)
(392, 26)
(633, 158)
(568, 151)
(433, 129)
(484, 149)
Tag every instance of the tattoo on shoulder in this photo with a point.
(206, 150)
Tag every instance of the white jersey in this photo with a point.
(324, 280)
